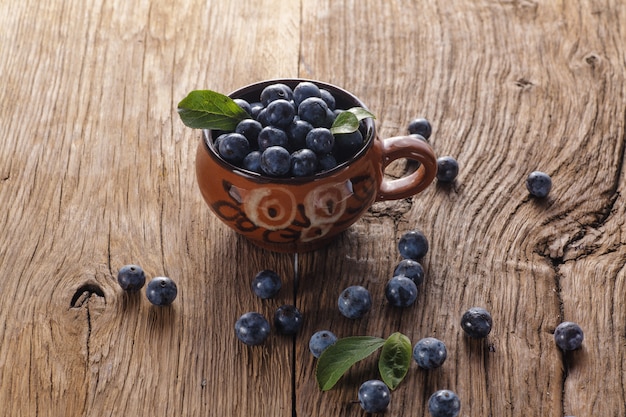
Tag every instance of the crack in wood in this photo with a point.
(83, 294)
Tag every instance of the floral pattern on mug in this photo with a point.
(326, 204)
(271, 208)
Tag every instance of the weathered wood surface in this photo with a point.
(96, 171)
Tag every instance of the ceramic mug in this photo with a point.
(303, 214)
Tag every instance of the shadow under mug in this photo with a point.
(295, 215)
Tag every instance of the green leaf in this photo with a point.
(361, 113)
(340, 356)
(348, 121)
(395, 359)
(206, 109)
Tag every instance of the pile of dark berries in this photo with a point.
(252, 328)
(161, 291)
(288, 133)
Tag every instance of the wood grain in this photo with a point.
(97, 171)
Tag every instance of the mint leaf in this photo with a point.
(340, 356)
(395, 359)
(348, 121)
(206, 109)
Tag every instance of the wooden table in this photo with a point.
(97, 171)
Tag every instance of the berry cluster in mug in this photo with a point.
(289, 133)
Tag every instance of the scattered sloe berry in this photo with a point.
(410, 269)
(252, 328)
(266, 284)
(401, 291)
(538, 184)
(131, 278)
(444, 403)
(413, 245)
(568, 336)
(320, 341)
(287, 319)
(354, 302)
(374, 396)
(430, 353)
(476, 322)
(420, 127)
(161, 291)
(447, 169)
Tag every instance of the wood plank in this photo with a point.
(510, 87)
(100, 174)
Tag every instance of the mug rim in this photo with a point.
(207, 135)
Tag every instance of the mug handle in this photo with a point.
(412, 148)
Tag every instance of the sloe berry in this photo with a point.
(420, 127)
(413, 245)
(568, 336)
(320, 341)
(430, 353)
(374, 396)
(476, 322)
(538, 184)
(447, 169)
(266, 284)
(131, 278)
(161, 291)
(401, 291)
(354, 302)
(444, 403)
(252, 328)
(287, 319)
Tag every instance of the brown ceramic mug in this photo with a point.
(303, 214)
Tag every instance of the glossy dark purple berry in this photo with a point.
(272, 136)
(252, 328)
(444, 403)
(303, 163)
(374, 396)
(313, 110)
(328, 98)
(420, 127)
(304, 90)
(430, 353)
(252, 162)
(326, 162)
(274, 92)
(280, 113)
(266, 284)
(413, 245)
(401, 291)
(250, 128)
(131, 278)
(244, 105)
(320, 341)
(161, 291)
(233, 147)
(275, 161)
(297, 132)
(476, 322)
(447, 169)
(320, 140)
(568, 336)
(287, 319)
(348, 144)
(354, 302)
(410, 269)
(539, 184)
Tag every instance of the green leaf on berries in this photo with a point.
(340, 356)
(348, 121)
(206, 109)
(361, 113)
(395, 359)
